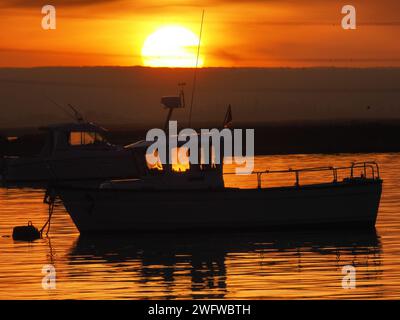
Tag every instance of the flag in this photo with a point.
(228, 117)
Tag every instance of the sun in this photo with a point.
(171, 46)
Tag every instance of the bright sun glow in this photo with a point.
(171, 46)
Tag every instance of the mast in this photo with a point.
(195, 71)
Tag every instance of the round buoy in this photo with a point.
(26, 233)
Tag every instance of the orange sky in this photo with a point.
(276, 33)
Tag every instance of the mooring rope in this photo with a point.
(50, 199)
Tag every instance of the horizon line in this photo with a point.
(191, 68)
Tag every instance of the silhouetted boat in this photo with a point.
(196, 198)
(72, 152)
(193, 196)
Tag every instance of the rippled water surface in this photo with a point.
(262, 265)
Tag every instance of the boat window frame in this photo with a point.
(98, 138)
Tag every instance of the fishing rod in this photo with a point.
(77, 116)
(61, 108)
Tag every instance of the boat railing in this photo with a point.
(370, 169)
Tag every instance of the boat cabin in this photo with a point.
(176, 175)
(73, 136)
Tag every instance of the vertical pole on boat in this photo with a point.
(167, 121)
(259, 180)
(365, 170)
(195, 72)
(352, 170)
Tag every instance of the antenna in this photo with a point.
(61, 107)
(181, 85)
(77, 114)
(195, 71)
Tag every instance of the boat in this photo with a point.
(191, 195)
(76, 151)
(196, 198)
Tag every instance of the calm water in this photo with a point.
(231, 265)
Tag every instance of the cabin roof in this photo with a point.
(83, 127)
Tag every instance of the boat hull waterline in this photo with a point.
(339, 205)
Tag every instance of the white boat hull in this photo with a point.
(352, 202)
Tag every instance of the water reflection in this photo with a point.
(207, 261)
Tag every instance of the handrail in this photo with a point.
(367, 163)
(371, 165)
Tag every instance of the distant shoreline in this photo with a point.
(288, 138)
(130, 96)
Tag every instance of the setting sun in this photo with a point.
(171, 46)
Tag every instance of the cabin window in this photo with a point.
(180, 163)
(77, 138)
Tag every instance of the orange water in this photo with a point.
(260, 265)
